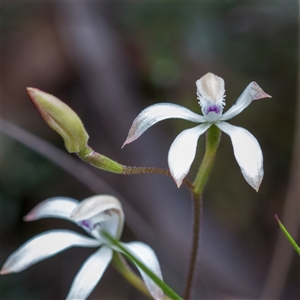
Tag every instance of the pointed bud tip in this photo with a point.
(32, 92)
(277, 219)
(30, 89)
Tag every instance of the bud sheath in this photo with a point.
(61, 118)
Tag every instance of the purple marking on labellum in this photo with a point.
(85, 224)
(213, 108)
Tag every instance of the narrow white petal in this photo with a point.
(90, 274)
(148, 257)
(158, 112)
(182, 151)
(252, 92)
(43, 246)
(104, 209)
(56, 207)
(247, 152)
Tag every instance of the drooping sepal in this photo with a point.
(183, 150)
(43, 246)
(148, 257)
(90, 274)
(247, 152)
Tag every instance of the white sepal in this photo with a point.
(156, 113)
(148, 257)
(252, 92)
(90, 274)
(56, 207)
(182, 152)
(43, 246)
(247, 152)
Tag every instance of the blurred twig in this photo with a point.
(75, 168)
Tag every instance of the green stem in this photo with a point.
(213, 136)
(212, 141)
(124, 269)
(165, 288)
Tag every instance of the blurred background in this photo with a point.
(108, 61)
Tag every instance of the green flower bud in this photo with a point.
(61, 118)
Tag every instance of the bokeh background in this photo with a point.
(108, 61)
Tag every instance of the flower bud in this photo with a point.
(61, 118)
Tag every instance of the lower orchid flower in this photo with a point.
(211, 94)
(94, 214)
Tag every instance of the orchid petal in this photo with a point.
(252, 92)
(148, 257)
(182, 152)
(90, 274)
(43, 246)
(103, 210)
(156, 113)
(247, 152)
(56, 207)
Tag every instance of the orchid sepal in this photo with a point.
(183, 150)
(251, 93)
(156, 113)
(44, 246)
(247, 152)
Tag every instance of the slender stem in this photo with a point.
(192, 270)
(212, 141)
(105, 163)
(124, 269)
(128, 170)
(157, 280)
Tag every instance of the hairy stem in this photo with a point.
(192, 267)
(212, 141)
(103, 162)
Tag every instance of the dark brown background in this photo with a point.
(108, 61)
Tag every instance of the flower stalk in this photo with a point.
(213, 136)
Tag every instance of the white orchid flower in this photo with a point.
(92, 214)
(211, 94)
